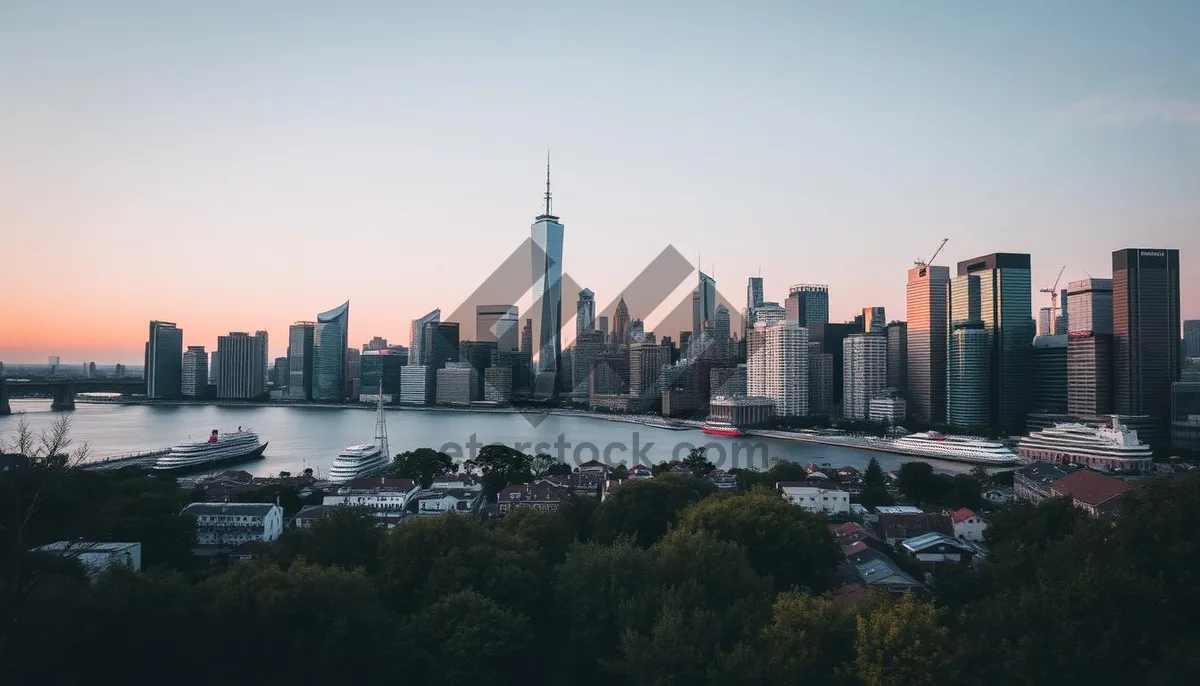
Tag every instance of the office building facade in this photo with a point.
(301, 336)
(754, 298)
(330, 340)
(497, 324)
(418, 385)
(622, 326)
(416, 336)
(864, 362)
(1090, 347)
(1145, 331)
(1191, 338)
(384, 366)
(777, 366)
(927, 309)
(164, 361)
(874, 320)
(967, 377)
(820, 379)
(585, 312)
(704, 303)
(440, 345)
(807, 305)
(897, 362)
(547, 235)
(646, 362)
(1049, 377)
(241, 360)
(195, 372)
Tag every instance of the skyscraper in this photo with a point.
(300, 360)
(832, 343)
(602, 326)
(585, 312)
(874, 320)
(1191, 338)
(807, 304)
(622, 328)
(1090, 347)
(588, 345)
(214, 370)
(195, 371)
(441, 344)
(264, 341)
(704, 303)
(897, 363)
(927, 327)
(330, 340)
(967, 374)
(241, 360)
(164, 360)
(646, 362)
(416, 336)
(376, 343)
(496, 324)
(1006, 308)
(720, 333)
(820, 379)
(1145, 331)
(864, 361)
(1049, 375)
(1045, 322)
(526, 339)
(754, 298)
(777, 366)
(547, 235)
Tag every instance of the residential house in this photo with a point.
(968, 525)
(824, 498)
(723, 480)
(439, 501)
(228, 525)
(936, 547)
(374, 492)
(894, 527)
(97, 557)
(878, 571)
(543, 495)
(1095, 493)
(640, 471)
(1031, 483)
(463, 481)
(608, 486)
(594, 467)
(850, 532)
(582, 484)
(311, 514)
(849, 475)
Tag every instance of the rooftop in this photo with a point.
(380, 483)
(1042, 472)
(898, 509)
(77, 547)
(1091, 487)
(243, 509)
(933, 539)
(961, 515)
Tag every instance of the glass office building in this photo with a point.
(330, 340)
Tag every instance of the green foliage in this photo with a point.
(919, 483)
(644, 510)
(808, 639)
(465, 639)
(548, 465)
(500, 466)
(874, 490)
(697, 462)
(423, 466)
(547, 533)
(902, 644)
(349, 537)
(790, 544)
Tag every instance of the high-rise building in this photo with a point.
(194, 372)
(864, 372)
(526, 339)
(704, 303)
(820, 380)
(1191, 338)
(1045, 322)
(416, 336)
(547, 234)
(164, 361)
(1090, 347)
(754, 298)
(264, 342)
(897, 363)
(874, 319)
(418, 384)
(496, 324)
(118, 371)
(280, 376)
(588, 345)
(441, 344)
(1049, 375)
(1060, 318)
(770, 313)
(353, 372)
(214, 370)
(807, 305)
(1145, 331)
(478, 354)
(376, 343)
(89, 370)
(602, 327)
(646, 362)
(967, 378)
(330, 340)
(831, 343)
(241, 360)
(722, 348)
(622, 326)
(927, 306)
(585, 312)
(777, 366)
(637, 331)
(1006, 308)
(385, 366)
(300, 360)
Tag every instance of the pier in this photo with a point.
(139, 459)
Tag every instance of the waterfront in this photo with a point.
(301, 437)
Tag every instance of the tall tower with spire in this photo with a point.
(547, 236)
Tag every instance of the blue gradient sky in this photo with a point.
(240, 165)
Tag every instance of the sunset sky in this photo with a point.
(233, 165)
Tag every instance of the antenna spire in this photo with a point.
(547, 182)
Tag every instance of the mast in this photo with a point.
(381, 426)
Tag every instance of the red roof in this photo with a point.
(849, 594)
(593, 463)
(1090, 487)
(640, 468)
(855, 547)
(961, 515)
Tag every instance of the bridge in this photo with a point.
(62, 391)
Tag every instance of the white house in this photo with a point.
(96, 557)
(968, 525)
(375, 492)
(231, 524)
(461, 481)
(827, 499)
(438, 501)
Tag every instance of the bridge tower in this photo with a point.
(64, 396)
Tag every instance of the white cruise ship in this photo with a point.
(955, 448)
(1104, 447)
(366, 459)
(217, 450)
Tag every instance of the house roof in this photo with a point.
(315, 511)
(882, 571)
(849, 594)
(381, 483)
(897, 509)
(931, 540)
(542, 491)
(641, 468)
(1042, 472)
(1090, 487)
(79, 547)
(439, 493)
(854, 548)
(592, 464)
(961, 515)
(242, 509)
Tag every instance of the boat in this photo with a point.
(366, 459)
(721, 429)
(967, 449)
(219, 449)
(1115, 446)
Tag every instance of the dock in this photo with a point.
(138, 459)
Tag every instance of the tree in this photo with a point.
(965, 491)
(808, 639)
(501, 465)
(644, 510)
(903, 644)
(919, 483)
(697, 462)
(423, 465)
(465, 639)
(620, 472)
(548, 465)
(549, 534)
(875, 491)
(787, 543)
(349, 537)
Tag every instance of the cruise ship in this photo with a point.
(721, 429)
(217, 450)
(366, 459)
(1103, 447)
(955, 448)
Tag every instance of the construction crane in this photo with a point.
(1053, 291)
(922, 264)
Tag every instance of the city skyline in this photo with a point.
(286, 141)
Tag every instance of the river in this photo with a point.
(301, 437)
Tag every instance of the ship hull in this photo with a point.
(966, 459)
(721, 431)
(207, 465)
